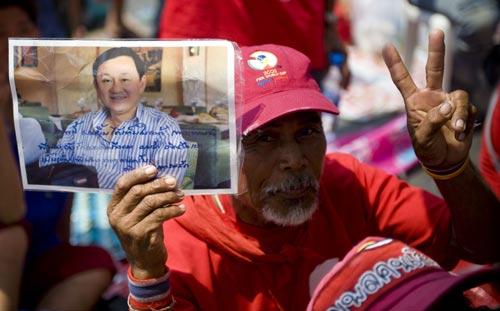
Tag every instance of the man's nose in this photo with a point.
(291, 156)
(116, 86)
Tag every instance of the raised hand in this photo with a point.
(139, 206)
(440, 123)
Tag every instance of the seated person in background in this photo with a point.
(298, 209)
(32, 138)
(122, 134)
(57, 275)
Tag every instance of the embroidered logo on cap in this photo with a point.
(267, 62)
(261, 60)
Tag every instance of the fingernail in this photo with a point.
(445, 108)
(182, 207)
(461, 136)
(150, 170)
(460, 124)
(170, 181)
(179, 193)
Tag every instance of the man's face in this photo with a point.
(118, 85)
(282, 164)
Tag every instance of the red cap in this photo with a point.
(385, 274)
(277, 82)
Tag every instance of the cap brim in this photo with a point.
(425, 291)
(270, 107)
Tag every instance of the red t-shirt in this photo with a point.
(492, 126)
(298, 24)
(220, 263)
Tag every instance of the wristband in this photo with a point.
(133, 306)
(449, 173)
(149, 294)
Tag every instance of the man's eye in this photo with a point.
(105, 81)
(308, 131)
(265, 138)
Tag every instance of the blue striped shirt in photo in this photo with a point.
(151, 137)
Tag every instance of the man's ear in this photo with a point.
(143, 83)
(98, 92)
(242, 178)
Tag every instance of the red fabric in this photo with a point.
(298, 24)
(218, 263)
(488, 171)
(277, 82)
(60, 263)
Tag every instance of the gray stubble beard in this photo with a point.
(295, 214)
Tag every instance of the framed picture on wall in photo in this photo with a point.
(29, 56)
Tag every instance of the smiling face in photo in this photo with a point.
(119, 86)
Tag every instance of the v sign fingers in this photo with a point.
(399, 74)
(437, 121)
(434, 68)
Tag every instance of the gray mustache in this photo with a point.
(292, 183)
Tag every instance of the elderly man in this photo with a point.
(300, 211)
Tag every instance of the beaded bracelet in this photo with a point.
(449, 173)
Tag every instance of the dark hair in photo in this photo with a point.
(117, 52)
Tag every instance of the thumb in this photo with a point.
(435, 119)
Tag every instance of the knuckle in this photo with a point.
(166, 213)
(136, 191)
(460, 95)
(159, 214)
(434, 117)
(149, 202)
(135, 235)
(157, 183)
(121, 184)
(171, 197)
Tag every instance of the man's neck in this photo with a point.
(117, 119)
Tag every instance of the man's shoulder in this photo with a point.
(336, 160)
(345, 170)
(87, 118)
(158, 116)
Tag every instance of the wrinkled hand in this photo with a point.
(440, 123)
(139, 206)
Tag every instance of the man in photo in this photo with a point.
(123, 134)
